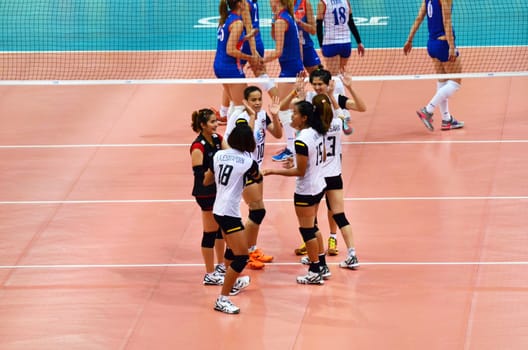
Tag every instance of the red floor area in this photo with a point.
(439, 221)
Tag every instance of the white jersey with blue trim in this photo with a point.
(259, 132)
(312, 144)
(335, 20)
(231, 169)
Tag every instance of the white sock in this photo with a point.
(289, 132)
(351, 251)
(442, 94)
(223, 111)
(333, 235)
(443, 105)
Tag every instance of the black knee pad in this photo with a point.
(239, 262)
(219, 234)
(340, 220)
(228, 255)
(257, 215)
(308, 233)
(208, 239)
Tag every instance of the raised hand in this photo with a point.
(274, 106)
(345, 77)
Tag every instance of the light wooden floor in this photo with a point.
(99, 235)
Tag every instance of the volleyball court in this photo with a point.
(99, 235)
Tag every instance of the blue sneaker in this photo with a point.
(452, 124)
(282, 156)
(347, 129)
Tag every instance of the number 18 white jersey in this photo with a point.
(231, 170)
(335, 22)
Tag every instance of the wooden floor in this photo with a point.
(99, 235)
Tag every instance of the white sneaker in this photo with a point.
(220, 269)
(241, 283)
(213, 279)
(310, 278)
(305, 260)
(223, 304)
(325, 272)
(351, 262)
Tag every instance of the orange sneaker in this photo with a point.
(255, 264)
(221, 120)
(259, 255)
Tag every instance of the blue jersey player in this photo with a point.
(442, 50)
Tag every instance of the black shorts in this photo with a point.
(229, 224)
(307, 200)
(334, 183)
(206, 203)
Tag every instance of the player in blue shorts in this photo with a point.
(334, 25)
(442, 50)
(304, 17)
(253, 46)
(229, 58)
(288, 52)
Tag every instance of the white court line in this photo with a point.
(146, 145)
(382, 263)
(350, 199)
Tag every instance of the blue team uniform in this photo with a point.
(226, 66)
(255, 21)
(438, 49)
(290, 61)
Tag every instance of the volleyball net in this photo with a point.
(174, 41)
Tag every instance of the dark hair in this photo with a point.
(242, 138)
(200, 117)
(223, 9)
(250, 89)
(313, 119)
(322, 74)
(323, 110)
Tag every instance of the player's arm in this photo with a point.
(354, 102)
(279, 29)
(275, 127)
(301, 161)
(232, 49)
(321, 7)
(248, 24)
(355, 32)
(202, 175)
(417, 22)
(448, 27)
(253, 175)
(309, 26)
